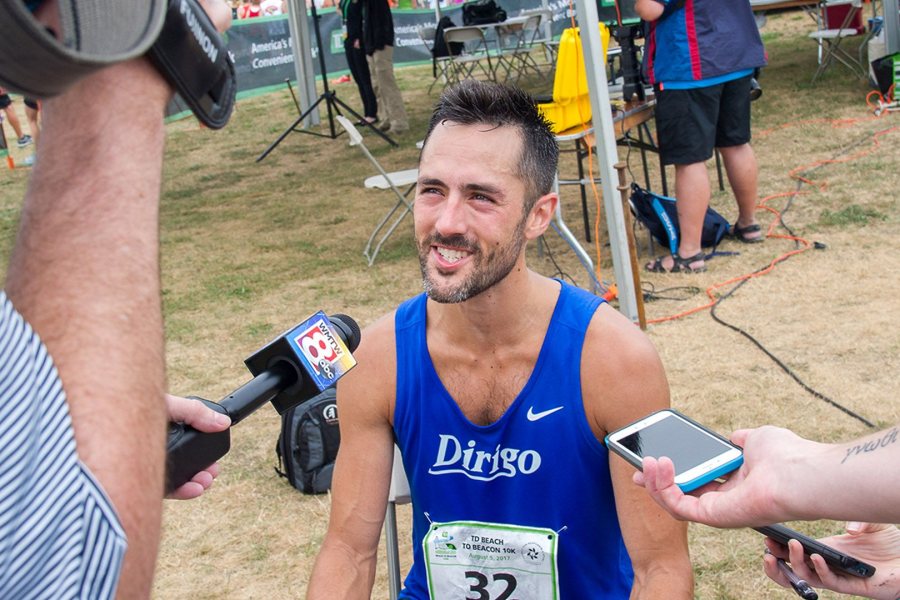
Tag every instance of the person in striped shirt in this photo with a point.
(82, 384)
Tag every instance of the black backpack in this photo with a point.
(441, 48)
(308, 443)
(660, 216)
(482, 12)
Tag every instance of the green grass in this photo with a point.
(851, 215)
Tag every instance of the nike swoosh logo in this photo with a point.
(536, 416)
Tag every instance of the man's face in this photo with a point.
(469, 216)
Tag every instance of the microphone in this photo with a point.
(293, 368)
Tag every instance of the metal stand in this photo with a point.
(330, 99)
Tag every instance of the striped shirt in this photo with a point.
(60, 537)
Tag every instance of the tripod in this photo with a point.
(328, 96)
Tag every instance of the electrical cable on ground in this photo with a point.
(763, 205)
(841, 157)
(815, 393)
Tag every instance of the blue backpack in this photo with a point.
(660, 216)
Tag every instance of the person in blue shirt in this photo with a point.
(498, 385)
(700, 55)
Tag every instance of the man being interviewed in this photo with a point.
(498, 385)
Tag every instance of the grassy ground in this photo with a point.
(251, 248)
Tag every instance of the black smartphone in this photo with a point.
(836, 559)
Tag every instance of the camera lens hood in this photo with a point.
(93, 34)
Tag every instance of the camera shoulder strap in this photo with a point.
(191, 55)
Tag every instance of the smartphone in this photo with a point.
(700, 455)
(835, 558)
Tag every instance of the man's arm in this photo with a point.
(85, 274)
(785, 477)
(649, 10)
(620, 387)
(345, 567)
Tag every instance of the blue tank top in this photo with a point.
(539, 465)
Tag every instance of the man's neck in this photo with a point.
(498, 315)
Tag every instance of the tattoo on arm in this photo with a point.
(885, 440)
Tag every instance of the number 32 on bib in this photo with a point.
(490, 561)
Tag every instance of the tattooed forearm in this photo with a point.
(886, 439)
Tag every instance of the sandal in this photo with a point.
(681, 265)
(740, 233)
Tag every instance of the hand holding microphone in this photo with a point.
(195, 413)
(290, 370)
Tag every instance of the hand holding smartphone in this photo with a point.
(836, 559)
(699, 454)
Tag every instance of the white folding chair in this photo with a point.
(384, 181)
(830, 36)
(399, 494)
(529, 38)
(475, 53)
(544, 38)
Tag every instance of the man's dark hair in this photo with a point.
(472, 102)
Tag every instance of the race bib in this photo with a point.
(470, 560)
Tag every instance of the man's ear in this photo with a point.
(540, 215)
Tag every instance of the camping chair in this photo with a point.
(439, 64)
(399, 494)
(473, 56)
(830, 35)
(392, 181)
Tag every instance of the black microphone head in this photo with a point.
(348, 329)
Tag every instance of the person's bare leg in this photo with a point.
(743, 172)
(13, 121)
(692, 195)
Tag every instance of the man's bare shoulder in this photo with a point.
(372, 382)
(619, 340)
(377, 338)
(621, 372)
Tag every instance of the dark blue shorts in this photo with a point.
(690, 123)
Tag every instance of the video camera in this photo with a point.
(632, 85)
(178, 37)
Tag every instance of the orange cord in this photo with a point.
(793, 174)
(878, 109)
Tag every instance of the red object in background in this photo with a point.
(835, 15)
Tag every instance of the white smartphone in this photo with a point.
(700, 455)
